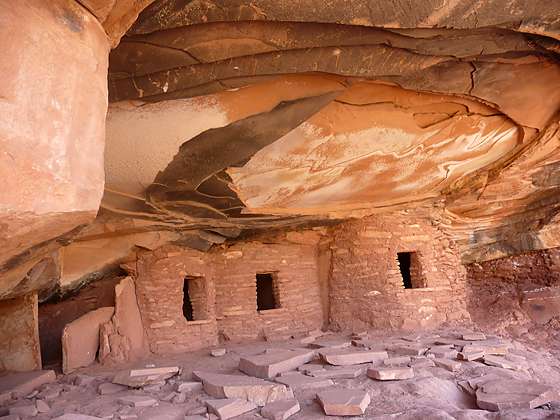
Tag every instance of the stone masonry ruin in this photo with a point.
(277, 209)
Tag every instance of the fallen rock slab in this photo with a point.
(138, 401)
(42, 406)
(409, 349)
(20, 384)
(390, 373)
(137, 378)
(189, 387)
(76, 416)
(269, 365)
(421, 362)
(308, 369)
(443, 351)
(474, 336)
(280, 410)
(80, 339)
(249, 388)
(369, 344)
(218, 352)
(499, 349)
(230, 407)
(109, 388)
(28, 410)
(450, 365)
(340, 372)
(500, 362)
(392, 361)
(333, 343)
(471, 355)
(501, 394)
(299, 381)
(344, 402)
(346, 357)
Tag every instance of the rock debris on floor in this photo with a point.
(376, 377)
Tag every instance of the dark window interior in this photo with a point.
(265, 292)
(404, 264)
(187, 303)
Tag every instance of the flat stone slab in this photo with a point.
(392, 361)
(136, 378)
(80, 338)
(218, 352)
(471, 355)
(280, 410)
(501, 394)
(333, 343)
(299, 381)
(76, 416)
(370, 344)
(28, 410)
(110, 388)
(347, 357)
(229, 407)
(500, 362)
(450, 365)
(498, 349)
(443, 351)
(269, 365)
(138, 401)
(474, 336)
(390, 373)
(21, 384)
(409, 349)
(421, 362)
(189, 387)
(340, 372)
(309, 368)
(256, 390)
(344, 402)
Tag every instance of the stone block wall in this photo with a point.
(229, 275)
(366, 285)
(295, 270)
(19, 334)
(160, 277)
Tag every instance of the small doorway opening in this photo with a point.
(195, 299)
(187, 303)
(411, 271)
(266, 291)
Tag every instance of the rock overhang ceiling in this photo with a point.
(228, 117)
(250, 116)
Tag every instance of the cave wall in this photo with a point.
(366, 286)
(498, 292)
(53, 103)
(19, 334)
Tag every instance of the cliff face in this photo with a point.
(228, 117)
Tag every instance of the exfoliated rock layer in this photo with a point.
(331, 113)
(229, 117)
(53, 104)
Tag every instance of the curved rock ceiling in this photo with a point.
(239, 115)
(229, 116)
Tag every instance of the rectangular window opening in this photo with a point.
(195, 299)
(266, 293)
(411, 271)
